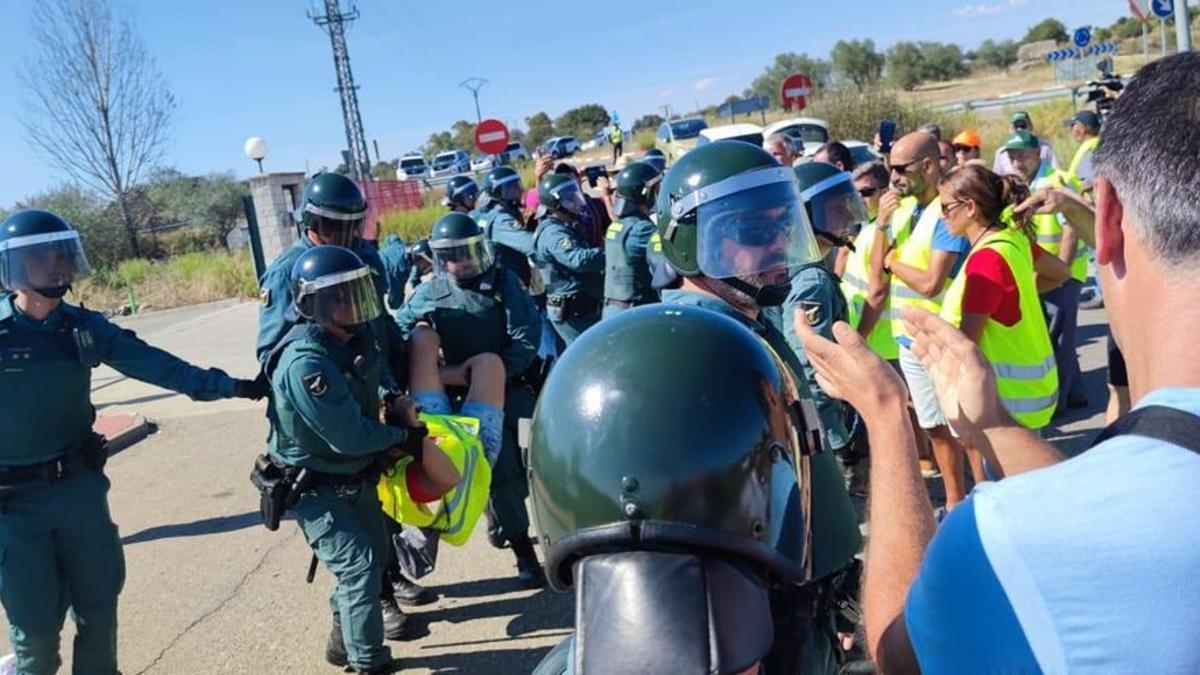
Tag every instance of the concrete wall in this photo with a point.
(276, 197)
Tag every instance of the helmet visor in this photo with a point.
(344, 299)
(837, 207)
(334, 228)
(752, 223)
(38, 261)
(461, 259)
(570, 197)
(508, 188)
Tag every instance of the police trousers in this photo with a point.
(510, 487)
(59, 550)
(344, 525)
(570, 329)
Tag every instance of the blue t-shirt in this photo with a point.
(1085, 566)
(944, 241)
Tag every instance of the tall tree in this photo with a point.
(212, 203)
(464, 135)
(650, 121)
(583, 121)
(1049, 29)
(767, 84)
(999, 55)
(99, 109)
(906, 65)
(856, 61)
(541, 127)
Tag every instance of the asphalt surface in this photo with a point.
(209, 590)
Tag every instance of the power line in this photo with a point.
(473, 85)
(334, 22)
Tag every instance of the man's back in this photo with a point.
(1086, 566)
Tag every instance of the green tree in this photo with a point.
(767, 84)
(857, 62)
(383, 171)
(905, 65)
(212, 203)
(1102, 34)
(96, 220)
(942, 61)
(1049, 29)
(1127, 27)
(438, 142)
(998, 55)
(651, 121)
(540, 126)
(463, 133)
(583, 121)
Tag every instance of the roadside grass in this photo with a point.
(186, 279)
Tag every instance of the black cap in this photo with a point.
(1087, 118)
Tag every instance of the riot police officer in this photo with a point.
(60, 546)
(627, 273)
(676, 504)
(325, 376)
(462, 193)
(501, 221)
(403, 266)
(573, 271)
(732, 225)
(836, 212)
(476, 306)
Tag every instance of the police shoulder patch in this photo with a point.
(264, 296)
(813, 312)
(565, 243)
(315, 383)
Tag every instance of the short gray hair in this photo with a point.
(780, 137)
(874, 170)
(1150, 151)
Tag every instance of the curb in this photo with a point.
(121, 430)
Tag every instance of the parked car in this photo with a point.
(560, 146)
(676, 137)
(513, 152)
(450, 163)
(809, 133)
(412, 167)
(482, 162)
(747, 133)
(860, 152)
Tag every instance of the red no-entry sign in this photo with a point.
(795, 91)
(491, 137)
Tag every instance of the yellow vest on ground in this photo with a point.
(855, 283)
(1049, 228)
(456, 513)
(1085, 148)
(914, 245)
(1021, 354)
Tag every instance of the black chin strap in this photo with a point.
(837, 241)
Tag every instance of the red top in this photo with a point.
(415, 490)
(991, 289)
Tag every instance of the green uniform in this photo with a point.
(58, 544)
(512, 242)
(835, 535)
(491, 313)
(324, 417)
(574, 277)
(398, 270)
(627, 275)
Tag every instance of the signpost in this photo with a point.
(1163, 10)
(1082, 37)
(794, 91)
(491, 137)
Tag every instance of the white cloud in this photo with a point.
(706, 83)
(666, 93)
(983, 9)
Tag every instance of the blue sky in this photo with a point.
(258, 67)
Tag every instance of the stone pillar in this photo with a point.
(276, 198)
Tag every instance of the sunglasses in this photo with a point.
(963, 148)
(869, 192)
(1021, 125)
(903, 168)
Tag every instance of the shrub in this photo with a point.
(645, 139)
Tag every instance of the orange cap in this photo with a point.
(968, 138)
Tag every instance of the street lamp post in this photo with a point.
(256, 149)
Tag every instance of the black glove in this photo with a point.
(252, 389)
(414, 441)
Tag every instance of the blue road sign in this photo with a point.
(1083, 36)
(1104, 48)
(744, 106)
(1163, 9)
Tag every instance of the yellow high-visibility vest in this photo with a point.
(1022, 354)
(456, 513)
(1085, 148)
(855, 283)
(616, 135)
(914, 249)
(1049, 228)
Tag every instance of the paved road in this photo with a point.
(209, 590)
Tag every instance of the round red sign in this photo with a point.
(795, 91)
(491, 137)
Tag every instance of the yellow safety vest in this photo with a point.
(914, 243)
(1085, 148)
(1049, 228)
(1021, 354)
(855, 283)
(457, 511)
(616, 135)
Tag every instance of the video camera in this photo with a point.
(1103, 91)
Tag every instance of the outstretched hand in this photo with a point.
(849, 370)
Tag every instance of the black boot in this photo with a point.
(529, 570)
(495, 538)
(396, 624)
(335, 648)
(410, 593)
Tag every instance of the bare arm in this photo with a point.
(1070, 242)
(1051, 271)
(928, 282)
(1080, 214)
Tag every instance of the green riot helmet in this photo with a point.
(708, 454)
(461, 193)
(655, 158)
(332, 285)
(560, 192)
(637, 186)
(334, 208)
(728, 211)
(834, 206)
(40, 252)
(503, 184)
(460, 249)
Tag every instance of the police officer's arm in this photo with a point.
(412, 312)
(929, 282)
(570, 252)
(508, 231)
(524, 327)
(276, 298)
(129, 355)
(317, 389)
(809, 301)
